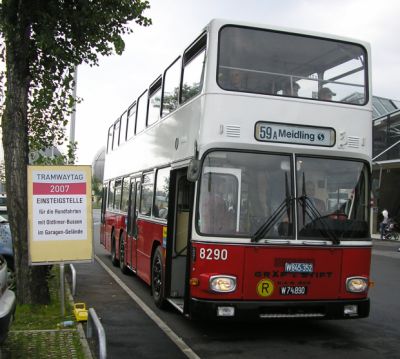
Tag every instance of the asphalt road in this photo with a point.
(375, 337)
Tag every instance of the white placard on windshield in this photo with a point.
(294, 134)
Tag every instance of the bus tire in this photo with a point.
(114, 259)
(158, 279)
(122, 265)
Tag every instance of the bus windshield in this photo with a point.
(333, 198)
(239, 192)
(292, 65)
(252, 195)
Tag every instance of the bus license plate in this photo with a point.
(299, 267)
(293, 290)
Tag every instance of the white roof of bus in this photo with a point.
(218, 22)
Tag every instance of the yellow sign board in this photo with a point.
(60, 214)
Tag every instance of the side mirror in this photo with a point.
(193, 172)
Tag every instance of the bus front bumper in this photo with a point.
(256, 310)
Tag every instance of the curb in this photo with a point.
(79, 326)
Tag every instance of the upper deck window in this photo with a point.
(153, 114)
(131, 121)
(193, 69)
(170, 96)
(285, 64)
(141, 112)
(122, 134)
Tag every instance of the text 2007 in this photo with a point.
(214, 254)
(62, 188)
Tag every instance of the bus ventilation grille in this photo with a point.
(353, 141)
(292, 312)
(233, 131)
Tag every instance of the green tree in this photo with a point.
(43, 43)
(97, 188)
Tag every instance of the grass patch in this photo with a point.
(42, 317)
(35, 332)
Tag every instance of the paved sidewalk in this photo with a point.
(39, 344)
(130, 333)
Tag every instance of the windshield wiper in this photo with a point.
(312, 212)
(271, 220)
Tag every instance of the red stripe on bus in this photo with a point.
(59, 188)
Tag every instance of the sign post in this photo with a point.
(60, 216)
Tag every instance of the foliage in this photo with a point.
(189, 91)
(62, 35)
(97, 186)
(44, 41)
(41, 158)
(171, 100)
(2, 172)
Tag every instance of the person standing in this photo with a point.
(384, 222)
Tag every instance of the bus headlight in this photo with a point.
(357, 284)
(222, 283)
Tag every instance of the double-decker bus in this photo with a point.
(237, 185)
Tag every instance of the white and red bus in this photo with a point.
(237, 185)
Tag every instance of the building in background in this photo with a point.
(98, 164)
(386, 159)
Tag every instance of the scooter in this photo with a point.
(391, 231)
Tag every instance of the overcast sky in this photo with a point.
(107, 90)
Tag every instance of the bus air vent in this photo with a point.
(353, 141)
(232, 131)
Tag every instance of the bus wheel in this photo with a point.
(122, 265)
(114, 259)
(157, 279)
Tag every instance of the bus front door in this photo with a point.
(131, 256)
(182, 214)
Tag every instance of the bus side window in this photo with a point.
(153, 114)
(193, 69)
(137, 198)
(117, 194)
(146, 200)
(115, 141)
(122, 135)
(104, 201)
(141, 113)
(172, 78)
(109, 138)
(134, 202)
(130, 131)
(125, 195)
(110, 202)
(160, 209)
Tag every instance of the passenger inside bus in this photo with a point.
(326, 94)
(291, 89)
(259, 208)
(237, 80)
(217, 216)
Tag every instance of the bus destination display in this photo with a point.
(297, 134)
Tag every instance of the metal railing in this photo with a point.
(94, 322)
(73, 275)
